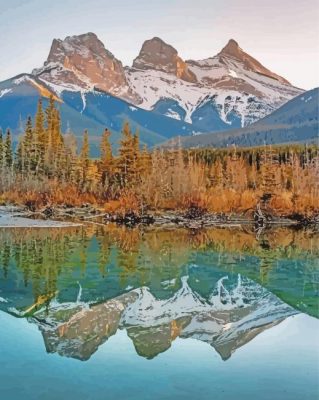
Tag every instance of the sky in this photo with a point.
(282, 34)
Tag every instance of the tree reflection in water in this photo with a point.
(80, 285)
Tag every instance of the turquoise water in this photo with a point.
(109, 313)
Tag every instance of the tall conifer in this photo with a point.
(8, 154)
(84, 157)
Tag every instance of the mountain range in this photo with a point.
(161, 94)
(296, 121)
(232, 316)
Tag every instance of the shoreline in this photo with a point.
(64, 216)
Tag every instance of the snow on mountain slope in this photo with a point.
(153, 86)
(83, 61)
(231, 107)
(238, 88)
(231, 89)
(83, 109)
(146, 310)
(233, 315)
(295, 121)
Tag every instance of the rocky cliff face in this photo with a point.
(233, 51)
(228, 90)
(157, 55)
(82, 61)
(230, 318)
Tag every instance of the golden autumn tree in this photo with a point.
(106, 158)
(85, 159)
(127, 157)
(145, 161)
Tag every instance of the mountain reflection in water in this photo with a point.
(82, 285)
(231, 317)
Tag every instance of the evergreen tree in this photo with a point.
(57, 139)
(107, 160)
(1, 150)
(20, 156)
(84, 157)
(8, 153)
(49, 112)
(56, 146)
(71, 167)
(126, 159)
(29, 146)
(40, 136)
(48, 156)
(145, 161)
(136, 172)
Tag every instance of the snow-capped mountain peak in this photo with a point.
(83, 61)
(157, 55)
(229, 90)
(232, 316)
(233, 51)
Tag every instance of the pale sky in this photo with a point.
(281, 34)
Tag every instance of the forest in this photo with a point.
(46, 168)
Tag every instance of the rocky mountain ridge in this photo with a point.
(232, 316)
(161, 95)
(231, 89)
(295, 121)
(82, 62)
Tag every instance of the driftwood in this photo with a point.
(259, 217)
(194, 218)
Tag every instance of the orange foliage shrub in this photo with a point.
(128, 202)
(53, 194)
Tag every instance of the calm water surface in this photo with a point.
(110, 313)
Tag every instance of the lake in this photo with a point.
(106, 312)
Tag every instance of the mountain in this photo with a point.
(83, 62)
(159, 56)
(84, 109)
(231, 317)
(229, 89)
(162, 95)
(233, 52)
(295, 121)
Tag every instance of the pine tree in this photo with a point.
(8, 154)
(107, 160)
(57, 145)
(20, 156)
(84, 157)
(145, 161)
(71, 159)
(29, 145)
(57, 139)
(40, 136)
(1, 150)
(136, 167)
(49, 151)
(49, 112)
(126, 157)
